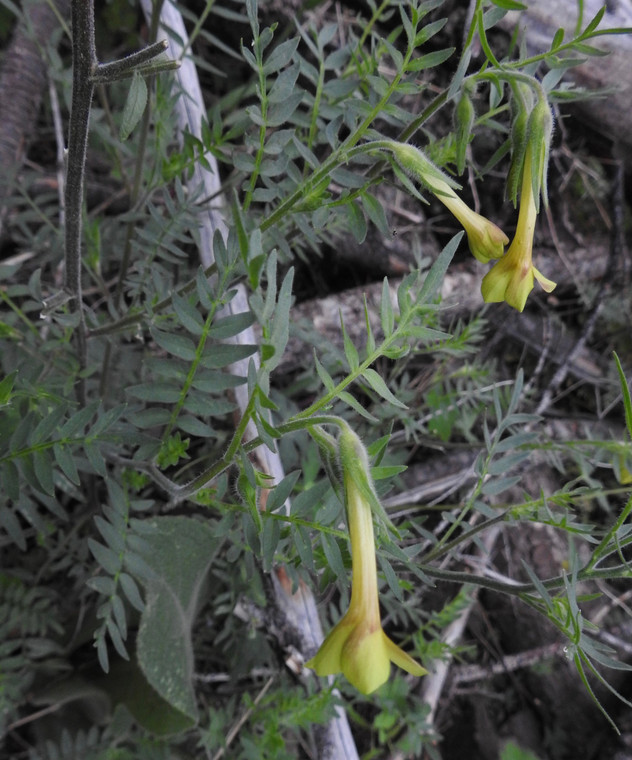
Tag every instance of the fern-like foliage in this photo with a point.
(120, 561)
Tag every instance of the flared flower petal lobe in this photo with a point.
(403, 660)
(365, 661)
(362, 655)
(547, 285)
(328, 660)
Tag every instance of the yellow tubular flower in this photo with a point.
(486, 240)
(511, 278)
(357, 646)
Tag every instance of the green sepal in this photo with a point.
(464, 115)
(354, 461)
(540, 130)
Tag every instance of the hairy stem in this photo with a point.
(84, 62)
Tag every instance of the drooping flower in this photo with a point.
(485, 239)
(512, 278)
(357, 646)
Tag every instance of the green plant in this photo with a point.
(150, 385)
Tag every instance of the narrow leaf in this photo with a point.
(134, 105)
(379, 386)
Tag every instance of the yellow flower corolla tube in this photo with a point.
(357, 646)
(485, 239)
(511, 279)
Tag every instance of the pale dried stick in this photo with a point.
(299, 608)
(434, 683)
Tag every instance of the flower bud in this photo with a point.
(464, 116)
(540, 129)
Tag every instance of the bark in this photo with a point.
(22, 82)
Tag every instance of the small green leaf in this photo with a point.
(557, 39)
(284, 84)
(189, 316)
(49, 424)
(438, 270)
(66, 462)
(510, 5)
(493, 487)
(592, 25)
(11, 524)
(278, 496)
(279, 330)
(10, 479)
(228, 327)
(333, 555)
(387, 471)
(375, 212)
(356, 405)
(379, 386)
(221, 355)
(356, 221)
(134, 105)
(269, 541)
(582, 47)
(177, 345)
(114, 539)
(211, 381)
(280, 112)
(44, 470)
(6, 386)
(430, 60)
(429, 31)
(325, 377)
(351, 352)
(128, 584)
(387, 315)
(78, 422)
(627, 402)
(108, 560)
(281, 56)
(102, 584)
(158, 392)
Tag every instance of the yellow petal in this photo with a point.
(494, 284)
(402, 659)
(547, 284)
(328, 661)
(365, 660)
(519, 287)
